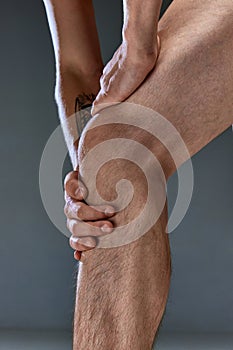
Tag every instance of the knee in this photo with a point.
(130, 132)
(117, 144)
(125, 126)
(121, 164)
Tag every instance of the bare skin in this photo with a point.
(135, 57)
(122, 291)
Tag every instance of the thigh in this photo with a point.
(192, 84)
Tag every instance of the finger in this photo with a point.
(77, 255)
(82, 244)
(118, 86)
(89, 228)
(103, 83)
(114, 94)
(103, 100)
(105, 79)
(82, 211)
(74, 187)
(121, 85)
(109, 66)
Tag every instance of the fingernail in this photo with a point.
(74, 239)
(77, 255)
(109, 211)
(106, 228)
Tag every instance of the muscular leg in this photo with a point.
(122, 291)
(192, 85)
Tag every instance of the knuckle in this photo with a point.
(106, 68)
(71, 186)
(80, 211)
(102, 76)
(66, 209)
(72, 226)
(68, 201)
(68, 224)
(65, 195)
(72, 243)
(104, 71)
(95, 230)
(104, 83)
(68, 177)
(75, 227)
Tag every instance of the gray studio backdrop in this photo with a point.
(36, 263)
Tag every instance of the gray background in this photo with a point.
(36, 263)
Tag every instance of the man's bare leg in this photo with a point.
(122, 291)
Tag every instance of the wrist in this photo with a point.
(141, 24)
(141, 41)
(139, 48)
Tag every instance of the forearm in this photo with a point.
(74, 35)
(140, 23)
(73, 93)
(78, 61)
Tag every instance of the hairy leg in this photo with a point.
(121, 293)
